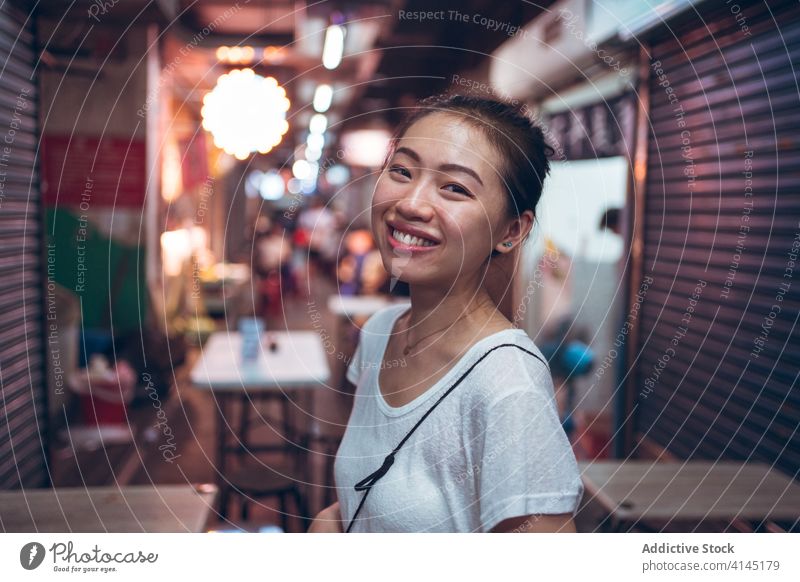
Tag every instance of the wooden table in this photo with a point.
(159, 509)
(634, 491)
(296, 368)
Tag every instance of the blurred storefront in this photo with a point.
(699, 103)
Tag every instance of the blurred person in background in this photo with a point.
(271, 263)
(361, 269)
(317, 226)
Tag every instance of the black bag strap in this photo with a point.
(367, 483)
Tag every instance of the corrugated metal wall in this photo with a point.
(22, 380)
(719, 346)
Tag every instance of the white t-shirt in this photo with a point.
(493, 449)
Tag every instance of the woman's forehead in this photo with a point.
(441, 138)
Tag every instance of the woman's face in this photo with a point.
(439, 207)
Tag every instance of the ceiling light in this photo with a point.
(246, 113)
(235, 54)
(301, 169)
(316, 141)
(318, 123)
(294, 186)
(309, 185)
(334, 47)
(313, 154)
(272, 186)
(323, 97)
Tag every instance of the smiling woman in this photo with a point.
(465, 437)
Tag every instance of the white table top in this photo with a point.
(299, 362)
(695, 490)
(360, 305)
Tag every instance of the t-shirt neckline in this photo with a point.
(389, 410)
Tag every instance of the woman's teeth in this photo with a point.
(407, 239)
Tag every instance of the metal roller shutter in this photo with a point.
(721, 237)
(22, 364)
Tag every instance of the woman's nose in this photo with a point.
(414, 204)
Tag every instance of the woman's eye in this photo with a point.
(400, 170)
(458, 189)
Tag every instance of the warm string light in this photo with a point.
(236, 54)
(246, 113)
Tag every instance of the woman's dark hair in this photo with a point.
(518, 141)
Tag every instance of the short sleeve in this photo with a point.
(527, 466)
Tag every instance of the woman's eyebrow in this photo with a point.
(463, 169)
(444, 167)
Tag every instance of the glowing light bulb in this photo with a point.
(246, 113)
(334, 47)
(323, 97)
(318, 123)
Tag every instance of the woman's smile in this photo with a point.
(409, 238)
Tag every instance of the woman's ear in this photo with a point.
(515, 232)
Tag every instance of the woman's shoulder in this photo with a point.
(514, 365)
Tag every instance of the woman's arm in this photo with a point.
(329, 520)
(560, 523)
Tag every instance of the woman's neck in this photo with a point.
(432, 309)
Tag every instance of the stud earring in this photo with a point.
(508, 244)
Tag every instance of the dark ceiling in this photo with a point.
(419, 58)
(397, 59)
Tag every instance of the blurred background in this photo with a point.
(176, 173)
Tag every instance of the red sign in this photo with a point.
(93, 172)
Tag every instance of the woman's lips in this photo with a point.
(404, 246)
